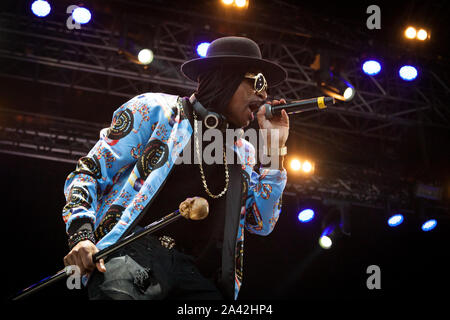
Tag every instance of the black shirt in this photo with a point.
(202, 239)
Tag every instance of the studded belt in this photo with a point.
(167, 242)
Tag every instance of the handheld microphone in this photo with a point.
(299, 106)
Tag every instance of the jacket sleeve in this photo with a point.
(118, 147)
(263, 204)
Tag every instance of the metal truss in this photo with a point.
(353, 186)
(46, 137)
(362, 188)
(93, 59)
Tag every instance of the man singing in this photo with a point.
(134, 176)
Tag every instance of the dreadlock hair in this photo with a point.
(217, 86)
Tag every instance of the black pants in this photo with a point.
(144, 270)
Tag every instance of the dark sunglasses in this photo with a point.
(260, 83)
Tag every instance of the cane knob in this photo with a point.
(195, 208)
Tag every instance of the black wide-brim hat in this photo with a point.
(234, 52)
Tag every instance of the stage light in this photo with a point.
(422, 35)
(410, 32)
(145, 56)
(408, 73)
(303, 166)
(240, 3)
(371, 67)
(202, 48)
(295, 164)
(429, 225)
(326, 238)
(307, 167)
(325, 242)
(335, 85)
(330, 228)
(81, 15)
(330, 77)
(306, 215)
(336, 224)
(40, 8)
(395, 220)
(349, 93)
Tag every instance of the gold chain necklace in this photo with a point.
(197, 148)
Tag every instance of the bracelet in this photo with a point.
(80, 236)
(275, 152)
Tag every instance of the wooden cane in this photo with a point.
(195, 208)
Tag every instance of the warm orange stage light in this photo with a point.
(301, 166)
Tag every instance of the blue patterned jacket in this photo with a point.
(124, 170)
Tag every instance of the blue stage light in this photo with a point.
(40, 8)
(202, 48)
(81, 15)
(429, 225)
(408, 73)
(395, 220)
(371, 67)
(306, 215)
